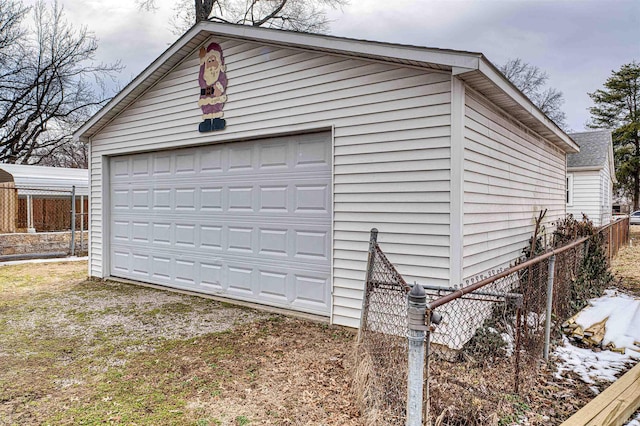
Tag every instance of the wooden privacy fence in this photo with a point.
(38, 221)
(8, 207)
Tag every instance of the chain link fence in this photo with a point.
(42, 222)
(491, 338)
(381, 364)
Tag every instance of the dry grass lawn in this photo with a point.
(75, 351)
(626, 265)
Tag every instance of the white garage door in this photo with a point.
(248, 220)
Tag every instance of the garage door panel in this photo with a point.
(277, 285)
(211, 199)
(249, 220)
(120, 199)
(211, 237)
(311, 291)
(240, 279)
(286, 153)
(274, 156)
(140, 265)
(120, 261)
(120, 168)
(312, 198)
(296, 243)
(274, 285)
(161, 268)
(161, 164)
(311, 245)
(140, 231)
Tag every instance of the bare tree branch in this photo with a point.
(45, 89)
(296, 15)
(531, 81)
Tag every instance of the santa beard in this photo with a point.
(211, 75)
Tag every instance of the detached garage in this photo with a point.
(251, 163)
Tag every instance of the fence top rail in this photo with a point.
(40, 188)
(615, 222)
(473, 287)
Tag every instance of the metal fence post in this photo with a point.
(426, 401)
(73, 220)
(82, 223)
(416, 334)
(547, 324)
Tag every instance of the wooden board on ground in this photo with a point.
(614, 406)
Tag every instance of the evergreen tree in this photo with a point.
(617, 107)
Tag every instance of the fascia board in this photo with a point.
(585, 169)
(79, 135)
(612, 163)
(351, 47)
(490, 71)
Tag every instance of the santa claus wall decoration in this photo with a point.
(213, 88)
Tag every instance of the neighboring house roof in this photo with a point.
(473, 68)
(41, 180)
(594, 147)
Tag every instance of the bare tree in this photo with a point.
(296, 15)
(49, 82)
(531, 81)
(11, 14)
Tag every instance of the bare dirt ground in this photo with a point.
(75, 351)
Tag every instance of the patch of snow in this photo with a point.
(622, 328)
(592, 366)
(623, 323)
(508, 339)
(534, 320)
(635, 421)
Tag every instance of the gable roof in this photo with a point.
(596, 150)
(594, 147)
(473, 68)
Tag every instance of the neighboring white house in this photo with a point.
(304, 143)
(590, 177)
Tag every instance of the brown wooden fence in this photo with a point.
(8, 207)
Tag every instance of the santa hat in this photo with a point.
(212, 47)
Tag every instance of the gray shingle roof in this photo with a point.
(594, 147)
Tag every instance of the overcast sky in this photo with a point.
(578, 43)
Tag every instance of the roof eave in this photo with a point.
(553, 133)
(612, 161)
(456, 62)
(133, 90)
(585, 169)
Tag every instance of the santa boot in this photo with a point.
(205, 126)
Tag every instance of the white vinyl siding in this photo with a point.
(607, 189)
(391, 128)
(510, 174)
(587, 195)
